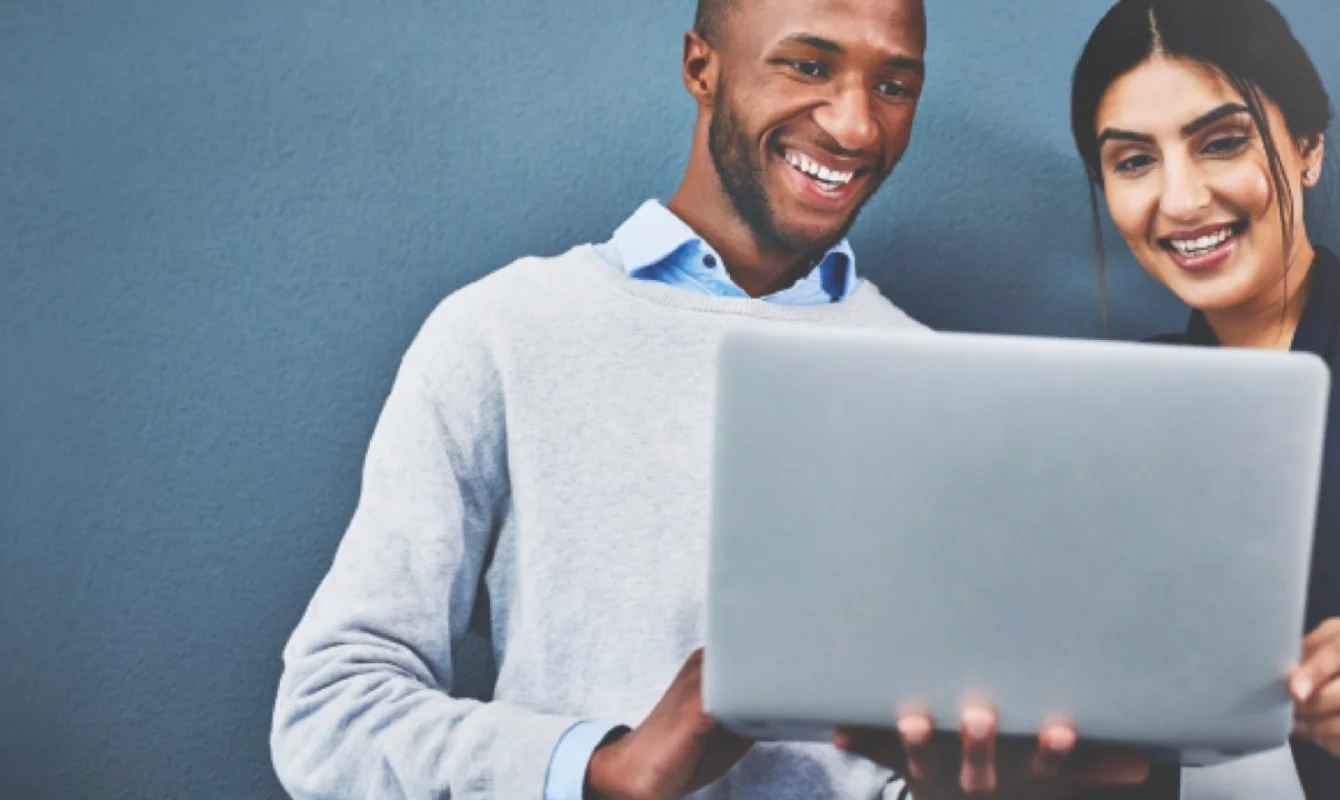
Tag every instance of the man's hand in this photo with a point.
(677, 750)
(974, 764)
(1315, 687)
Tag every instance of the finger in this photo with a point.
(1319, 667)
(1323, 703)
(1108, 767)
(978, 731)
(917, 733)
(1325, 632)
(1055, 744)
(1319, 730)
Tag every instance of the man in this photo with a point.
(547, 446)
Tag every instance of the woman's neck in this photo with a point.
(1260, 323)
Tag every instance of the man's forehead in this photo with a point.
(890, 24)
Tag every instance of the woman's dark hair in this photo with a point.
(1247, 41)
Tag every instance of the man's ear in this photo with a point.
(701, 68)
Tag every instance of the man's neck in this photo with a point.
(755, 267)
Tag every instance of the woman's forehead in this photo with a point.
(1163, 94)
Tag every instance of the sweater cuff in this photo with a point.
(521, 753)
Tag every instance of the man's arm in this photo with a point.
(363, 708)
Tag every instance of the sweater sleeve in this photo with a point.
(364, 706)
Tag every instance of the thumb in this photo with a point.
(1321, 661)
(1112, 767)
(1314, 673)
(1302, 685)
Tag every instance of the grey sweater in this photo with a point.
(561, 412)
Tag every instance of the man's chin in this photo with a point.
(812, 238)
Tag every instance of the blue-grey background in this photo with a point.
(221, 223)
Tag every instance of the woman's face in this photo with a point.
(1188, 184)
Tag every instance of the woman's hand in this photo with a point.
(1315, 686)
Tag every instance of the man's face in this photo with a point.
(814, 107)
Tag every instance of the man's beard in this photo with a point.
(741, 175)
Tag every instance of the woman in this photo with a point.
(1202, 123)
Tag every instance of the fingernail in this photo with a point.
(1302, 687)
(914, 730)
(977, 723)
(1061, 739)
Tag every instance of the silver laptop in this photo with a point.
(1116, 532)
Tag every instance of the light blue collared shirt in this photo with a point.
(656, 245)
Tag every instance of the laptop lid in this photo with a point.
(1115, 532)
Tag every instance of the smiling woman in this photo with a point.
(1189, 191)
(1203, 125)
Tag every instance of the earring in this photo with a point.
(1310, 175)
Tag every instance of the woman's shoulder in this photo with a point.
(1327, 268)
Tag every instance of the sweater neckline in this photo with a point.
(858, 300)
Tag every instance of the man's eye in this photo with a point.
(894, 89)
(810, 69)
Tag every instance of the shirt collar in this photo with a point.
(654, 233)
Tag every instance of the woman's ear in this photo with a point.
(1313, 150)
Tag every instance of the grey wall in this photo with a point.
(221, 223)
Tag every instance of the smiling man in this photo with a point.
(543, 459)
(805, 107)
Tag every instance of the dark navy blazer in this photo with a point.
(1318, 332)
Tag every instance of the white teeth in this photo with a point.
(1195, 247)
(806, 165)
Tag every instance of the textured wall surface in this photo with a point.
(221, 223)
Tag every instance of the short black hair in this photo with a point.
(711, 18)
